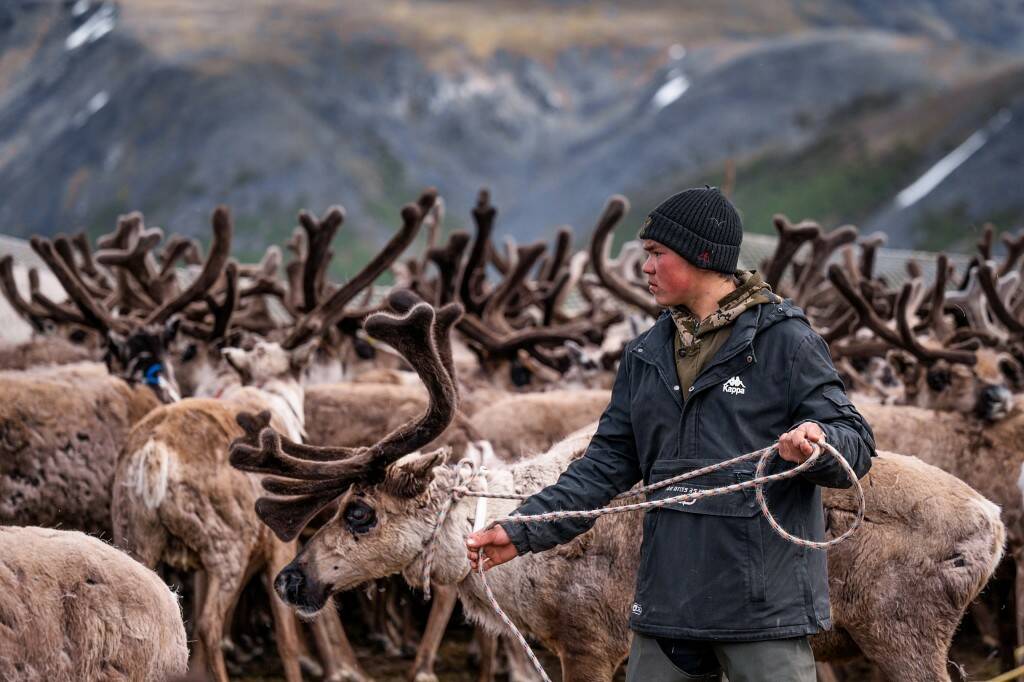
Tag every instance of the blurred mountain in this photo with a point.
(905, 117)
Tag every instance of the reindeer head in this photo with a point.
(141, 357)
(984, 389)
(267, 361)
(382, 492)
(136, 305)
(382, 529)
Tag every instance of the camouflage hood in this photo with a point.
(751, 291)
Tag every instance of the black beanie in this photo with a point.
(700, 225)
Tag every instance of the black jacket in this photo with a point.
(714, 568)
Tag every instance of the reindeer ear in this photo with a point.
(117, 350)
(410, 476)
(239, 361)
(903, 364)
(170, 330)
(301, 357)
(575, 351)
(1014, 373)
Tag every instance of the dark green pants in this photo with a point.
(768, 661)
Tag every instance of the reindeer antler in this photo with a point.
(1014, 249)
(471, 280)
(216, 260)
(221, 312)
(970, 301)
(600, 245)
(447, 262)
(993, 286)
(33, 314)
(92, 313)
(329, 311)
(310, 476)
(902, 336)
(136, 258)
(791, 238)
(319, 234)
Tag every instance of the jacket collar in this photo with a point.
(655, 346)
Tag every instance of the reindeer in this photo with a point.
(575, 599)
(74, 608)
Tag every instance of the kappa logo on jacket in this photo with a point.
(734, 386)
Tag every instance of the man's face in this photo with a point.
(671, 278)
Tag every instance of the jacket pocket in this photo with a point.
(736, 515)
(740, 503)
(837, 397)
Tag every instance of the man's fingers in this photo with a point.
(484, 537)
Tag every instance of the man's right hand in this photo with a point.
(495, 546)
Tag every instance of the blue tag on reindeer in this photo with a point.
(153, 374)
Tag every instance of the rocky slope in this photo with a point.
(172, 106)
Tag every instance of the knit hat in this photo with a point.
(700, 225)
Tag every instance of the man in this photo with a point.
(726, 368)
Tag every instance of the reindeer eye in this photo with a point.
(1010, 373)
(938, 379)
(364, 350)
(359, 517)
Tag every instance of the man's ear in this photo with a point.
(410, 476)
(302, 357)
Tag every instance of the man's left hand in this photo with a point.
(795, 446)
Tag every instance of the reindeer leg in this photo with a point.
(200, 659)
(488, 654)
(1018, 654)
(220, 592)
(987, 624)
(383, 628)
(335, 649)
(395, 617)
(410, 633)
(520, 669)
(441, 609)
(586, 668)
(285, 623)
(826, 673)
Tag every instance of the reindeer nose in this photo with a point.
(994, 401)
(290, 584)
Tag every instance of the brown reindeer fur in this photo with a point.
(60, 431)
(177, 500)
(44, 350)
(74, 608)
(351, 414)
(986, 455)
(524, 424)
(899, 586)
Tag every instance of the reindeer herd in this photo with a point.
(218, 420)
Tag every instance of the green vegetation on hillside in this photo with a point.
(833, 182)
